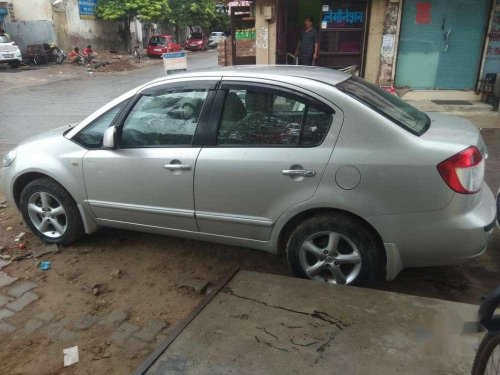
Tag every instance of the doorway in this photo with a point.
(441, 43)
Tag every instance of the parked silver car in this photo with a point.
(349, 181)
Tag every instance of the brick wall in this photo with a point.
(225, 51)
(245, 47)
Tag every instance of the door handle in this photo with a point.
(298, 173)
(447, 40)
(177, 167)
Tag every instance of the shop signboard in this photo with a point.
(87, 9)
(174, 62)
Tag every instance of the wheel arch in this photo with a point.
(24, 179)
(294, 221)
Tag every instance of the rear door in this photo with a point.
(268, 149)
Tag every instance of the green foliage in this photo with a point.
(193, 13)
(121, 10)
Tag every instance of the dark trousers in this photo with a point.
(305, 59)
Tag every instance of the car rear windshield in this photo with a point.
(4, 39)
(157, 41)
(196, 36)
(390, 106)
(217, 33)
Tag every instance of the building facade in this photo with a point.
(412, 44)
(68, 23)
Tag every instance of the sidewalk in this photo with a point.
(265, 324)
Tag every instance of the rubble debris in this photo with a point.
(45, 265)
(22, 246)
(71, 356)
(117, 274)
(9, 229)
(19, 237)
(46, 250)
(29, 254)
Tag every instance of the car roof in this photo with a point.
(326, 75)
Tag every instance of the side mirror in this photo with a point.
(108, 141)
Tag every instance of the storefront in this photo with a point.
(441, 43)
(411, 44)
(341, 24)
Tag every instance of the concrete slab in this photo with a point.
(267, 324)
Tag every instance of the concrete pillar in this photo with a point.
(266, 32)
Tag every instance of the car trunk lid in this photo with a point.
(456, 132)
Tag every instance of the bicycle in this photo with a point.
(136, 54)
(487, 360)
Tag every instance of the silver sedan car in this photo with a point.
(350, 182)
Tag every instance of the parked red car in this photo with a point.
(160, 44)
(197, 42)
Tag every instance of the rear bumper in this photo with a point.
(455, 234)
(13, 56)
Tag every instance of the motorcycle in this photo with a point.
(45, 53)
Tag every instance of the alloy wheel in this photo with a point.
(330, 257)
(47, 214)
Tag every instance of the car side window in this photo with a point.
(91, 136)
(254, 117)
(166, 119)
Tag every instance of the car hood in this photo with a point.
(50, 134)
(197, 41)
(455, 131)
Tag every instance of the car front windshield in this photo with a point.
(390, 106)
(196, 36)
(157, 41)
(4, 39)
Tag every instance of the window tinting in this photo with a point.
(4, 39)
(91, 136)
(252, 117)
(403, 114)
(164, 120)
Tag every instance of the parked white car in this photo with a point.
(9, 52)
(215, 38)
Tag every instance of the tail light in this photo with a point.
(464, 172)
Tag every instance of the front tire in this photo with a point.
(337, 249)
(50, 212)
(488, 355)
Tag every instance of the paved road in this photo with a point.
(29, 110)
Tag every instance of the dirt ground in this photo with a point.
(157, 278)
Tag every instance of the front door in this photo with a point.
(270, 151)
(148, 180)
(441, 43)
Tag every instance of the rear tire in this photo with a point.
(50, 212)
(337, 249)
(490, 344)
